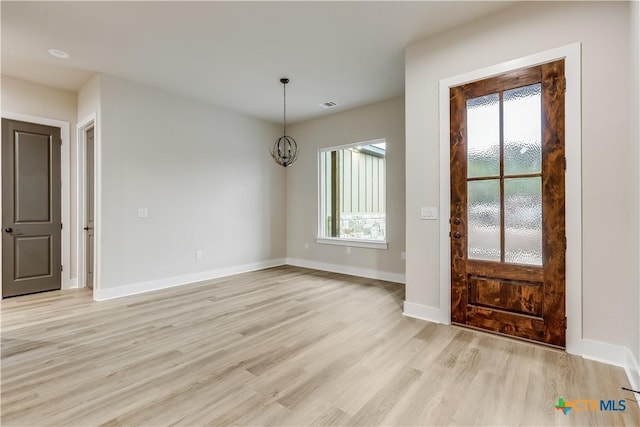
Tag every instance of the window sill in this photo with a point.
(371, 244)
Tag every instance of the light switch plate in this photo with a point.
(429, 213)
(143, 212)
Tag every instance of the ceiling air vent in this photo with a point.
(329, 104)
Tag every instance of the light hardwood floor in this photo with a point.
(283, 346)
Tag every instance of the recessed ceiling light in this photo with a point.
(61, 54)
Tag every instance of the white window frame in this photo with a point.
(371, 244)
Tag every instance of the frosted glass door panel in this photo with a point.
(483, 220)
(523, 220)
(522, 130)
(483, 136)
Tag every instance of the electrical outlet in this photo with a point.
(143, 212)
(306, 245)
(198, 254)
(348, 249)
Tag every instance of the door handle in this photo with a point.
(457, 235)
(8, 230)
(88, 228)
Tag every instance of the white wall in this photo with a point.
(379, 120)
(634, 162)
(206, 178)
(89, 98)
(609, 288)
(21, 96)
(33, 99)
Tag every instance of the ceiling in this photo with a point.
(231, 54)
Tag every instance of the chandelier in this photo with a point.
(285, 150)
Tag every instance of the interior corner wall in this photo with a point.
(517, 32)
(380, 120)
(89, 99)
(33, 99)
(204, 175)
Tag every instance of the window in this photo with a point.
(353, 195)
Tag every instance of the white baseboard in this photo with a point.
(424, 312)
(632, 368)
(610, 354)
(170, 282)
(346, 269)
(70, 283)
(613, 355)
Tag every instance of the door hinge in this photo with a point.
(565, 322)
(60, 226)
(565, 163)
(61, 267)
(564, 85)
(565, 242)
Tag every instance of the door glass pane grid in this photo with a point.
(504, 176)
(522, 128)
(523, 220)
(484, 220)
(483, 136)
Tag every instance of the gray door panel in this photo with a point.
(31, 219)
(89, 208)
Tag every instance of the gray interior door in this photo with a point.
(89, 197)
(31, 236)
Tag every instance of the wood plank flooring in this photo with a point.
(283, 346)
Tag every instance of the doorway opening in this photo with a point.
(86, 204)
(572, 55)
(89, 218)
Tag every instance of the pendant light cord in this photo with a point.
(284, 91)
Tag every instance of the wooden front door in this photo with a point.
(508, 204)
(31, 224)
